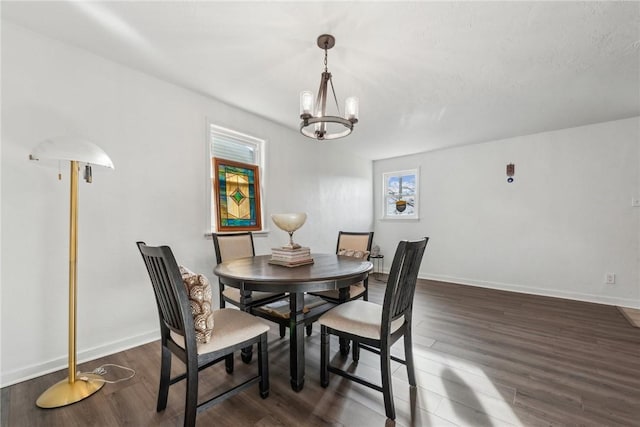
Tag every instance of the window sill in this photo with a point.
(261, 233)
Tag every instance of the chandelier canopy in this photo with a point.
(316, 123)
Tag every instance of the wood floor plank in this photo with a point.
(483, 357)
(539, 353)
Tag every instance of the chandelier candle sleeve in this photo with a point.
(351, 109)
(306, 104)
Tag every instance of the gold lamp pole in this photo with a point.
(76, 151)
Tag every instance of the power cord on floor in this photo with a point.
(102, 371)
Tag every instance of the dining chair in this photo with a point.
(231, 331)
(230, 246)
(358, 245)
(377, 327)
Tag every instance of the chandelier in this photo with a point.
(316, 123)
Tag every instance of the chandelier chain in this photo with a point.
(326, 70)
(325, 58)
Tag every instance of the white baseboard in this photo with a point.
(36, 370)
(577, 296)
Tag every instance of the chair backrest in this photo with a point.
(401, 285)
(171, 295)
(233, 246)
(359, 241)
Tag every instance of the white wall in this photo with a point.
(556, 230)
(156, 135)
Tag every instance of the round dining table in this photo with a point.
(328, 272)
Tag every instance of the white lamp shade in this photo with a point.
(69, 148)
(289, 222)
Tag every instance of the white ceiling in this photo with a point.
(429, 75)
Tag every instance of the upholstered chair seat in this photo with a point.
(233, 294)
(361, 318)
(355, 291)
(231, 327)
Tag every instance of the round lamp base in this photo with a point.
(65, 393)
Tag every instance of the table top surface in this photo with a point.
(326, 267)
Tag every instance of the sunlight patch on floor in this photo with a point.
(469, 396)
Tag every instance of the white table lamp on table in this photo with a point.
(289, 222)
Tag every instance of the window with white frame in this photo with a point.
(235, 148)
(400, 194)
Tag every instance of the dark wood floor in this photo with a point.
(484, 358)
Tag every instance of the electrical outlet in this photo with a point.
(610, 278)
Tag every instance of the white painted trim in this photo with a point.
(262, 233)
(598, 299)
(39, 369)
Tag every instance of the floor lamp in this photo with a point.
(77, 152)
